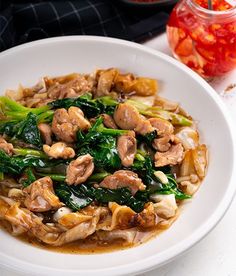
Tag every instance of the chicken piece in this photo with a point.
(76, 116)
(163, 144)
(59, 150)
(127, 148)
(163, 127)
(106, 81)
(127, 116)
(40, 196)
(79, 170)
(65, 124)
(143, 127)
(5, 146)
(123, 178)
(73, 88)
(46, 133)
(108, 121)
(171, 157)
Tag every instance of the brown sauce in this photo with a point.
(90, 245)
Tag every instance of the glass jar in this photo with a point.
(203, 39)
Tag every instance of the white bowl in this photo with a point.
(58, 56)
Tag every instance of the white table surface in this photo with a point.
(215, 255)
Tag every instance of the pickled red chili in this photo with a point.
(204, 40)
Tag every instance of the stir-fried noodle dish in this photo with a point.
(95, 160)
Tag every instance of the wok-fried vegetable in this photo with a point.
(16, 164)
(100, 143)
(144, 167)
(73, 198)
(13, 111)
(91, 107)
(77, 197)
(28, 177)
(95, 178)
(25, 130)
(32, 152)
(156, 112)
(148, 138)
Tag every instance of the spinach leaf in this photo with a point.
(28, 131)
(25, 130)
(77, 197)
(172, 188)
(145, 169)
(91, 107)
(72, 197)
(16, 164)
(148, 138)
(100, 142)
(28, 178)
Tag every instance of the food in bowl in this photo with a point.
(95, 162)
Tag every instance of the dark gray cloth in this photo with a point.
(23, 21)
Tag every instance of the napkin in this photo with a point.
(23, 21)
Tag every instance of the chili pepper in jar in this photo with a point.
(203, 39)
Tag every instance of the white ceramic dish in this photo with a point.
(26, 63)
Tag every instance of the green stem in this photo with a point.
(157, 112)
(139, 157)
(55, 177)
(11, 105)
(107, 101)
(46, 117)
(98, 177)
(111, 131)
(1, 175)
(32, 152)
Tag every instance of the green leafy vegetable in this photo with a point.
(148, 138)
(16, 164)
(54, 177)
(91, 107)
(145, 169)
(172, 188)
(29, 177)
(77, 197)
(100, 142)
(13, 111)
(1, 176)
(25, 130)
(32, 152)
(73, 198)
(94, 178)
